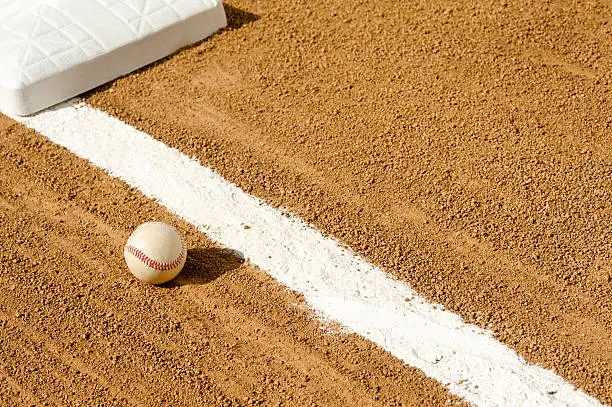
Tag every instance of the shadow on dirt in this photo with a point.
(206, 265)
(236, 18)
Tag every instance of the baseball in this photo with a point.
(155, 252)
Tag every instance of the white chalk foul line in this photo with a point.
(338, 284)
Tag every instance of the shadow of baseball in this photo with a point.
(204, 265)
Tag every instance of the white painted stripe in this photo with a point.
(337, 283)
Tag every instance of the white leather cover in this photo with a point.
(51, 50)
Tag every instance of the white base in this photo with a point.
(93, 51)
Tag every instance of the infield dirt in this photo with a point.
(77, 329)
(466, 147)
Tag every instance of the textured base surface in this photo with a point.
(55, 49)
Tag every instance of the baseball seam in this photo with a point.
(154, 264)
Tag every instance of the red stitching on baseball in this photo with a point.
(154, 264)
